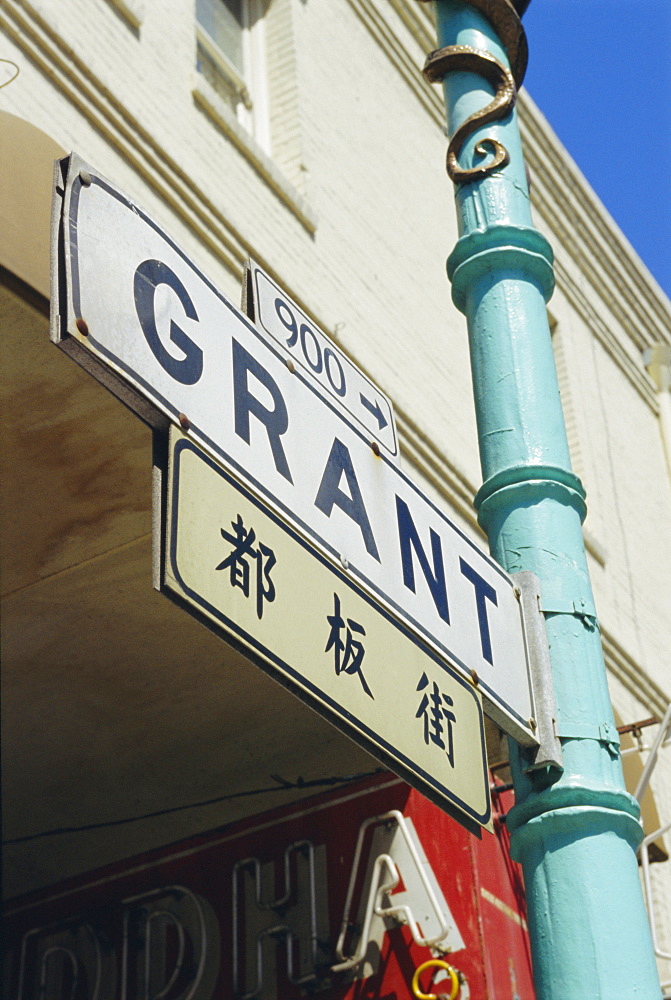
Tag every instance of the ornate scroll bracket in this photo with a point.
(505, 18)
(466, 59)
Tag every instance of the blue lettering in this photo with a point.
(330, 494)
(409, 539)
(148, 276)
(275, 421)
(483, 592)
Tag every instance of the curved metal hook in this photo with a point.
(466, 59)
(505, 18)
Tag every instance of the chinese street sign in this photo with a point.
(134, 310)
(239, 566)
(346, 385)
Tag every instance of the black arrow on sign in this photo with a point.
(374, 408)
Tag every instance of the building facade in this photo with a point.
(302, 136)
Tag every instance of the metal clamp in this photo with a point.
(603, 732)
(549, 752)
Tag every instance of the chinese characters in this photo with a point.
(435, 710)
(350, 653)
(245, 560)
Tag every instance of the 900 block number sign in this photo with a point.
(134, 310)
(278, 315)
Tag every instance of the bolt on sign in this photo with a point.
(139, 314)
(307, 623)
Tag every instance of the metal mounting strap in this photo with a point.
(603, 732)
(549, 752)
(583, 607)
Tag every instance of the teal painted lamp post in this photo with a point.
(575, 832)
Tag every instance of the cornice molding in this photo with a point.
(583, 230)
(419, 19)
(403, 62)
(132, 11)
(35, 37)
(632, 676)
(217, 110)
(629, 366)
(421, 452)
(585, 234)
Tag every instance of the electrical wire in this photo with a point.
(281, 784)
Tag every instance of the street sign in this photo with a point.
(141, 316)
(346, 385)
(230, 558)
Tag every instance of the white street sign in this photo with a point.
(148, 323)
(346, 385)
(307, 623)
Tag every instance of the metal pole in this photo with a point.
(575, 832)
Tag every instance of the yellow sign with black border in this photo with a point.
(234, 563)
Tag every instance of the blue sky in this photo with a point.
(600, 71)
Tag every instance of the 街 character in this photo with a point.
(435, 710)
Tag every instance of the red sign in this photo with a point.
(343, 895)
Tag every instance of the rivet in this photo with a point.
(344, 562)
(533, 724)
(376, 448)
(82, 326)
(85, 177)
(184, 421)
(290, 365)
(474, 677)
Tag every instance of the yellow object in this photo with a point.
(437, 963)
